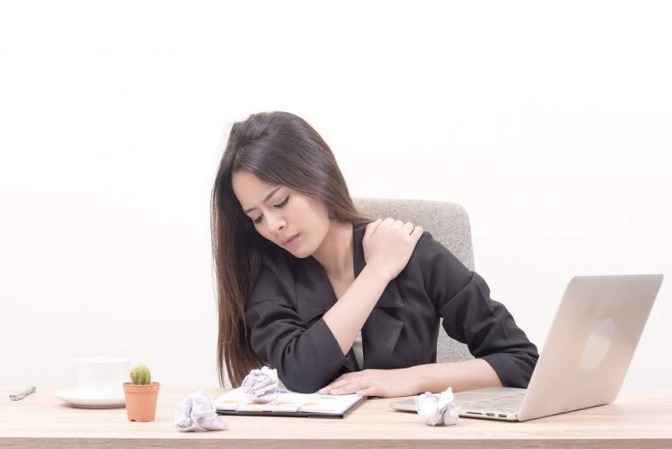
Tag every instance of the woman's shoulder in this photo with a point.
(427, 246)
(429, 252)
(274, 279)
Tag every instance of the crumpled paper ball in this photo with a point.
(261, 385)
(198, 412)
(437, 409)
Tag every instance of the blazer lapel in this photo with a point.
(314, 294)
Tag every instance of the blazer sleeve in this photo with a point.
(470, 316)
(306, 357)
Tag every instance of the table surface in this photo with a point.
(637, 419)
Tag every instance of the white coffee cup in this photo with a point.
(101, 375)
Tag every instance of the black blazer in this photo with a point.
(284, 318)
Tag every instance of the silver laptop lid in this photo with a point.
(590, 344)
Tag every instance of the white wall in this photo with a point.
(549, 121)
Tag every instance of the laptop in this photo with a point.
(586, 355)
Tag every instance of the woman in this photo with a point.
(336, 303)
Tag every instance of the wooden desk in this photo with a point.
(637, 419)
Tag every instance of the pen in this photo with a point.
(22, 394)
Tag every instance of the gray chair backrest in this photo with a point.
(449, 224)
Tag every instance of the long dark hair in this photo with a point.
(279, 148)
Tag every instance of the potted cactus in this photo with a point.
(141, 395)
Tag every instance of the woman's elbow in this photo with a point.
(300, 381)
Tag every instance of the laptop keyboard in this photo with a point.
(506, 404)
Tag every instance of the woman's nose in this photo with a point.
(275, 223)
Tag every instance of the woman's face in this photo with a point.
(294, 221)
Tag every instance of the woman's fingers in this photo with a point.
(389, 246)
(363, 383)
(371, 228)
(349, 388)
(417, 233)
(370, 391)
(340, 382)
(373, 225)
(408, 227)
(376, 382)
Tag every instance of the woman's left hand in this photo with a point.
(375, 382)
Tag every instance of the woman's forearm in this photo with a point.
(466, 375)
(434, 377)
(347, 317)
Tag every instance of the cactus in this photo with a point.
(140, 375)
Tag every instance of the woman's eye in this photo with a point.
(284, 202)
(279, 206)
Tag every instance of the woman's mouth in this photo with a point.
(291, 241)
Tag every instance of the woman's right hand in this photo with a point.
(388, 245)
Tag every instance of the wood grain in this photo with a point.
(637, 419)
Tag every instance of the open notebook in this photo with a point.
(235, 402)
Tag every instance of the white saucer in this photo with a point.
(91, 399)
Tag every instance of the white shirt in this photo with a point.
(359, 351)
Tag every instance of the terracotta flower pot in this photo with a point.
(141, 401)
